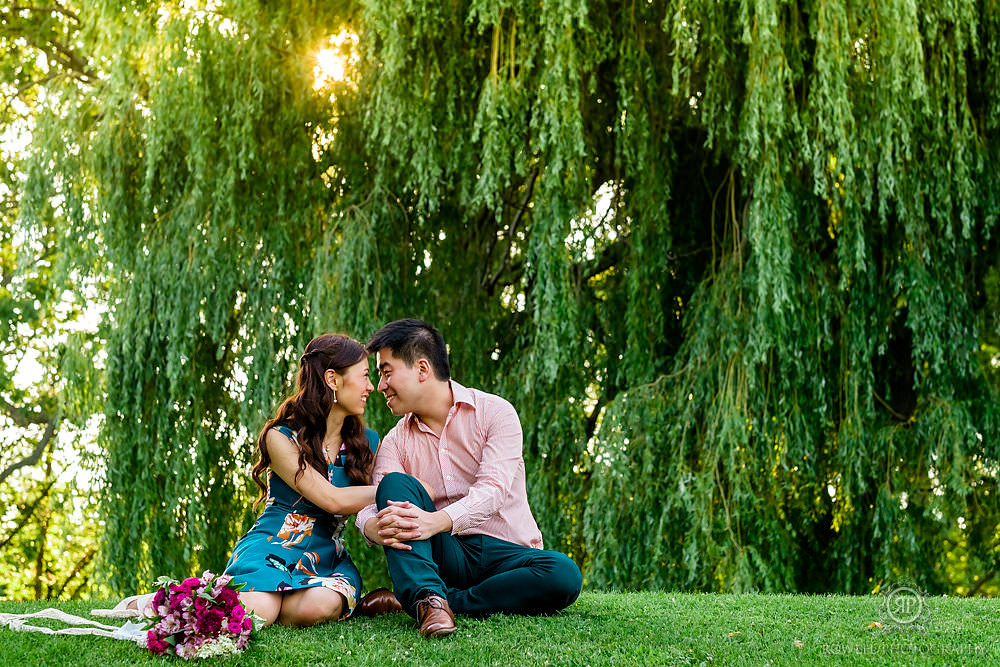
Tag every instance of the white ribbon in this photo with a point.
(131, 631)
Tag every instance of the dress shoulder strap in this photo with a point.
(373, 440)
(286, 431)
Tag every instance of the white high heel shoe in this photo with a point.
(123, 609)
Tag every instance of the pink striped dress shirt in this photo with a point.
(474, 465)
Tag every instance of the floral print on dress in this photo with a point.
(277, 563)
(339, 583)
(295, 529)
(307, 564)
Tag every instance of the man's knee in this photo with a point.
(564, 580)
(397, 486)
(401, 487)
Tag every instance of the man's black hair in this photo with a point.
(412, 339)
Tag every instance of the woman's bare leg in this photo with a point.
(311, 606)
(265, 604)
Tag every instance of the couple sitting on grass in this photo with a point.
(444, 495)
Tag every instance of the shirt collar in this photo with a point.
(461, 394)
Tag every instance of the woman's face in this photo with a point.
(354, 387)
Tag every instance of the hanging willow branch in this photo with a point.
(835, 159)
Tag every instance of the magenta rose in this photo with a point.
(247, 624)
(210, 622)
(229, 599)
(160, 597)
(235, 627)
(155, 644)
(237, 613)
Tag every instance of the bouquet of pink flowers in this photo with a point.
(197, 618)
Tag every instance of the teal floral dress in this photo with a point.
(295, 544)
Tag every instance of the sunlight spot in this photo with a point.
(335, 60)
(329, 67)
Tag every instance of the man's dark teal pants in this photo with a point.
(477, 574)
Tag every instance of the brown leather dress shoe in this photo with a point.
(435, 617)
(378, 601)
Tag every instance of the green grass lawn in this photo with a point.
(600, 629)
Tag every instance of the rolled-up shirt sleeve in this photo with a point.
(387, 460)
(501, 459)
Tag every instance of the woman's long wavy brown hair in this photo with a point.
(305, 413)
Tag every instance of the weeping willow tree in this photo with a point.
(187, 150)
(732, 262)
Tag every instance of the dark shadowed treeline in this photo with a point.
(733, 262)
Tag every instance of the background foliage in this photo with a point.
(734, 263)
(48, 540)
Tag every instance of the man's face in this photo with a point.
(398, 382)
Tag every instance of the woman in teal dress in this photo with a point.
(319, 457)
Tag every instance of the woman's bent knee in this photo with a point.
(312, 610)
(263, 604)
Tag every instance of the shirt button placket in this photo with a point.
(446, 466)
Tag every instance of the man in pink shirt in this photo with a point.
(474, 547)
